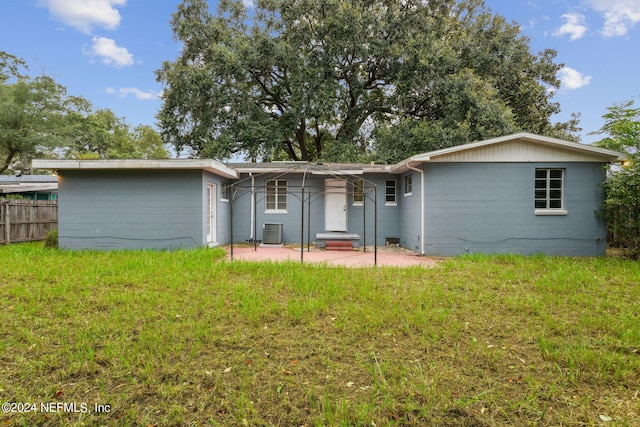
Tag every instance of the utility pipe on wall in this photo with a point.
(421, 206)
(253, 202)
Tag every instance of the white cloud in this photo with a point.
(248, 3)
(140, 95)
(110, 53)
(83, 15)
(574, 26)
(619, 15)
(572, 79)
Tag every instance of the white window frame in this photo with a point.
(359, 192)
(393, 202)
(547, 188)
(280, 189)
(225, 188)
(408, 184)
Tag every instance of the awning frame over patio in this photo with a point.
(240, 189)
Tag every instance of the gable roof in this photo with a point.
(520, 147)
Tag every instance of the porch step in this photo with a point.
(338, 236)
(338, 245)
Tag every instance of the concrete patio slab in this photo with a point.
(395, 257)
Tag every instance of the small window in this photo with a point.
(408, 185)
(390, 192)
(549, 189)
(225, 190)
(277, 196)
(358, 192)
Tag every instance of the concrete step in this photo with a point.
(338, 245)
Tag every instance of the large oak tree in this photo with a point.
(345, 80)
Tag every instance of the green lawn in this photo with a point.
(186, 338)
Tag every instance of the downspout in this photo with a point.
(253, 201)
(421, 206)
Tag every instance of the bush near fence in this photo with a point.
(27, 220)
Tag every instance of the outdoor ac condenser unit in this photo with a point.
(272, 234)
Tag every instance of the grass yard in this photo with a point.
(185, 338)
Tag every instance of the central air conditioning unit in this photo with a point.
(272, 234)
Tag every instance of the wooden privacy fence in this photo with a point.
(27, 220)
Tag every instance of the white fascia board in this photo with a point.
(529, 137)
(403, 166)
(167, 164)
(23, 188)
(338, 172)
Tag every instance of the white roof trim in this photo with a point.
(203, 164)
(528, 137)
(604, 154)
(338, 172)
(24, 188)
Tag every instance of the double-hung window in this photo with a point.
(390, 192)
(549, 192)
(225, 190)
(276, 196)
(408, 185)
(358, 192)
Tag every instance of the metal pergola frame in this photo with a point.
(239, 189)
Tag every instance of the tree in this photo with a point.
(10, 66)
(622, 187)
(102, 135)
(39, 119)
(347, 80)
(34, 120)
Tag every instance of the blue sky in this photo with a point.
(107, 50)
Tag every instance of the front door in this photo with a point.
(210, 218)
(335, 202)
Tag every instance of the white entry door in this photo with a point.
(335, 205)
(210, 218)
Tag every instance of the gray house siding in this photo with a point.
(489, 208)
(410, 211)
(314, 214)
(130, 209)
(223, 218)
(387, 215)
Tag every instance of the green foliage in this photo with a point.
(10, 66)
(51, 239)
(11, 196)
(102, 135)
(39, 119)
(622, 206)
(35, 118)
(345, 80)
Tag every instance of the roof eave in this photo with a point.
(133, 164)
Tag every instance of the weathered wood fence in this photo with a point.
(26, 220)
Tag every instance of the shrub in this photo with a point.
(51, 240)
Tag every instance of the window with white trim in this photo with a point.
(276, 200)
(358, 192)
(408, 185)
(549, 191)
(225, 189)
(390, 192)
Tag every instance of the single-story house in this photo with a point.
(34, 187)
(521, 193)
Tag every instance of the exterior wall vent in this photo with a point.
(272, 234)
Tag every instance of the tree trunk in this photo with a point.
(7, 161)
